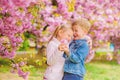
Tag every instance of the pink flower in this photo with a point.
(51, 28)
(12, 71)
(47, 2)
(23, 74)
(100, 1)
(109, 56)
(12, 54)
(75, 16)
(64, 41)
(23, 3)
(110, 19)
(108, 11)
(20, 72)
(118, 58)
(22, 63)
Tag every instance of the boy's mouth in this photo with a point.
(75, 36)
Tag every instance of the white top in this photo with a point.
(55, 61)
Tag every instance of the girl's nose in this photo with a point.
(73, 32)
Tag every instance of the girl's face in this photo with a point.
(78, 32)
(66, 35)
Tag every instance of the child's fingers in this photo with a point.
(61, 48)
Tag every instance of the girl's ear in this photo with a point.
(60, 32)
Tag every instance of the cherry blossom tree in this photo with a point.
(41, 17)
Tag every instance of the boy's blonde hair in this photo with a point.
(64, 27)
(83, 23)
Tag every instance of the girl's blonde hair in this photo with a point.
(62, 27)
(83, 23)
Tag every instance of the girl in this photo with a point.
(55, 58)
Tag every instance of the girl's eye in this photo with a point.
(75, 30)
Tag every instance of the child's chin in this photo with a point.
(75, 38)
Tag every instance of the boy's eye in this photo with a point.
(69, 35)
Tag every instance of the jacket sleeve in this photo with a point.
(52, 54)
(80, 54)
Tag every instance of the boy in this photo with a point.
(75, 55)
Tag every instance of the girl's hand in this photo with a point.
(63, 47)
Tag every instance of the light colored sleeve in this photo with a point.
(89, 41)
(52, 54)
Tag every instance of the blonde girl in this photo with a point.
(55, 58)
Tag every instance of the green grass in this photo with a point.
(36, 74)
(4, 65)
(119, 52)
(102, 70)
(95, 70)
(4, 69)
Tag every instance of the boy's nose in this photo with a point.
(74, 34)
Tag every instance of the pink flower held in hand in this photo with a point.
(64, 41)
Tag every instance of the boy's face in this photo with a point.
(78, 32)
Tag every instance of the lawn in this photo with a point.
(96, 70)
(102, 70)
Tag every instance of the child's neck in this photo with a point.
(82, 37)
(58, 38)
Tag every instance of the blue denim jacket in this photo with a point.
(74, 63)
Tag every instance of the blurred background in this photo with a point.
(27, 25)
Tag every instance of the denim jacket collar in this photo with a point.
(79, 40)
(77, 43)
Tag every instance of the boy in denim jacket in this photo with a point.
(75, 55)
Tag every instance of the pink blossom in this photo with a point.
(51, 28)
(100, 1)
(22, 63)
(109, 56)
(20, 72)
(109, 11)
(64, 41)
(12, 71)
(110, 19)
(15, 19)
(44, 39)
